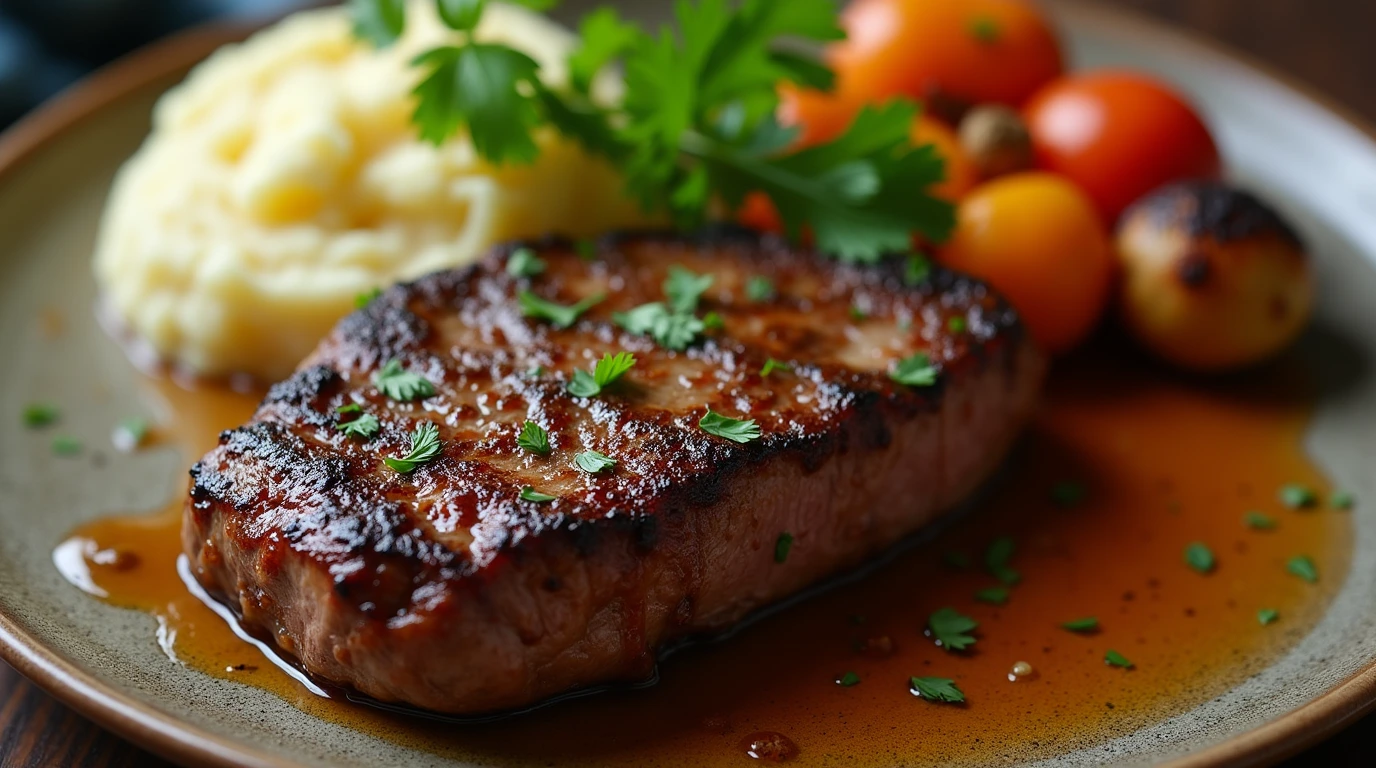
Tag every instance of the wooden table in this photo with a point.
(1325, 43)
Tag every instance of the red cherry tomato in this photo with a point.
(1118, 135)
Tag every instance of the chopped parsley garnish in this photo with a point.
(1303, 567)
(782, 546)
(1199, 557)
(1342, 500)
(364, 299)
(402, 385)
(915, 371)
(558, 315)
(66, 445)
(917, 269)
(1258, 521)
(593, 462)
(586, 250)
(1116, 659)
(535, 372)
(937, 689)
(760, 288)
(1086, 624)
(996, 559)
(671, 330)
(608, 370)
(955, 324)
(684, 288)
(530, 494)
(524, 263)
(534, 438)
(848, 679)
(737, 430)
(364, 425)
(425, 446)
(984, 29)
(130, 433)
(857, 314)
(1296, 496)
(712, 321)
(993, 595)
(951, 629)
(1068, 493)
(1267, 616)
(38, 415)
(696, 126)
(771, 365)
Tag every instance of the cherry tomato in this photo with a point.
(960, 171)
(1039, 241)
(1119, 135)
(967, 51)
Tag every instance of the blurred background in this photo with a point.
(47, 44)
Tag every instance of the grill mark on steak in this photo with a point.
(368, 575)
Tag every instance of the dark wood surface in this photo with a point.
(1326, 44)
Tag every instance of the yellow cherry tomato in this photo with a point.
(1038, 240)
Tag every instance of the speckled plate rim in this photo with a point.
(178, 741)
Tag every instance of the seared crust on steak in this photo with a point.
(443, 589)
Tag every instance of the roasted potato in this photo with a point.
(1212, 278)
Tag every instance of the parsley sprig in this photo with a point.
(951, 629)
(940, 689)
(608, 369)
(735, 430)
(400, 384)
(534, 438)
(425, 446)
(696, 125)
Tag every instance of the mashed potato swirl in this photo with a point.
(283, 178)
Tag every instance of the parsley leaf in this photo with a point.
(737, 430)
(364, 299)
(771, 365)
(530, 494)
(364, 425)
(1342, 500)
(955, 324)
(996, 559)
(685, 288)
(1267, 616)
(760, 288)
(604, 37)
(937, 689)
(1258, 521)
(1303, 567)
(951, 629)
(782, 546)
(993, 595)
(38, 415)
(1296, 496)
(848, 679)
(671, 330)
(534, 438)
(461, 15)
(915, 371)
(425, 446)
(1116, 659)
(593, 462)
(479, 86)
(402, 385)
(380, 22)
(66, 445)
(524, 263)
(558, 315)
(607, 370)
(917, 269)
(1087, 624)
(1199, 557)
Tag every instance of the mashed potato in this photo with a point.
(284, 178)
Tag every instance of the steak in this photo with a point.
(445, 588)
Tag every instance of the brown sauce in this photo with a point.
(1164, 461)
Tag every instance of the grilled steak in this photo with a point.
(445, 589)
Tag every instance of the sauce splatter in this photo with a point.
(1126, 467)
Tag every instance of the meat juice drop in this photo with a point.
(1112, 427)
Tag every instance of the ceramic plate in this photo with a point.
(55, 170)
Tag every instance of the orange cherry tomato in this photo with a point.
(961, 174)
(1037, 239)
(969, 51)
(818, 115)
(1119, 135)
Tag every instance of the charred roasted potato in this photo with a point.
(1213, 278)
